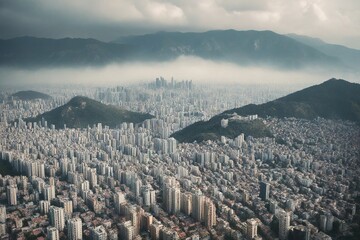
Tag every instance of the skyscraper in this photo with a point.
(2, 214)
(119, 198)
(52, 233)
(155, 230)
(251, 228)
(284, 224)
(209, 213)
(92, 176)
(2, 220)
(148, 194)
(44, 207)
(127, 230)
(264, 191)
(198, 206)
(74, 229)
(11, 195)
(67, 205)
(49, 192)
(172, 145)
(186, 203)
(57, 218)
(175, 197)
(171, 196)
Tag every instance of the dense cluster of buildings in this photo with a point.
(135, 182)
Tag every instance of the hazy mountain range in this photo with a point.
(333, 99)
(240, 47)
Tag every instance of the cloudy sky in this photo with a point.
(335, 21)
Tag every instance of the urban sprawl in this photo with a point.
(137, 182)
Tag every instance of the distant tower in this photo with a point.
(251, 228)
(74, 229)
(284, 225)
(264, 191)
(11, 193)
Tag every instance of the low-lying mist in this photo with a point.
(184, 68)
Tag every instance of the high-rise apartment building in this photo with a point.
(74, 227)
(284, 224)
(264, 191)
(11, 193)
(57, 217)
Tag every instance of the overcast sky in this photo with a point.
(335, 21)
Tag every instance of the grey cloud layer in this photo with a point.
(333, 20)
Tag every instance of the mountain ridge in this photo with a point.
(349, 56)
(244, 47)
(32, 51)
(332, 99)
(241, 47)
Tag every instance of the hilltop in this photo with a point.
(30, 95)
(333, 99)
(212, 130)
(81, 112)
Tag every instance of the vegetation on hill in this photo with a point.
(333, 99)
(34, 52)
(212, 130)
(240, 47)
(81, 112)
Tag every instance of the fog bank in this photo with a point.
(184, 68)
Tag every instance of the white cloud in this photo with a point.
(333, 20)
(183, 68)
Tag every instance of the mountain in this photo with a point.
(30, 95)
(240, 47)
(349, 56)
(243, 47)
(81, 112)
(212, 130)
(31, 51)
(333, 99)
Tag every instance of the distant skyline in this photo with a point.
(333, 21)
